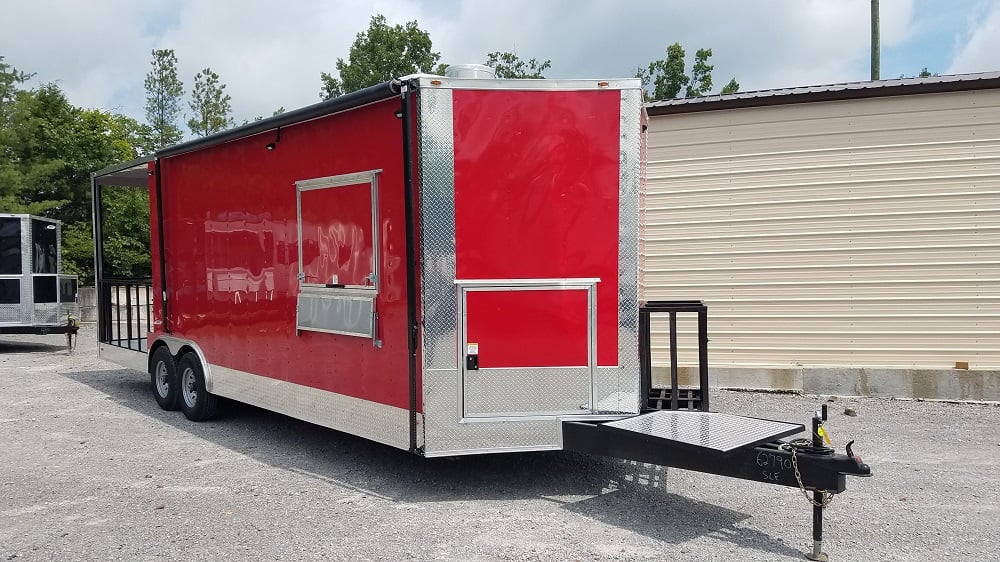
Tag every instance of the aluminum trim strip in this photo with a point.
(461, 452)
(497, 392)
(341, 180)
(546, 417)
(444, 83)
(575, 283)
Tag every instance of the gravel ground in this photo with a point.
(91, 469)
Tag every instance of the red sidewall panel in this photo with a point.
(536, 196)
(528, 328)
(231, 245)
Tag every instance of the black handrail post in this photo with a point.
(128, 315)
(645, 359)
(138, 319)
(103, 312)
(703, 356)
(117, 335)
(674, 385)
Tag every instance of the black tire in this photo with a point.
(196, 403)
(163, 378)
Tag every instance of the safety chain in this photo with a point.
(792, 446)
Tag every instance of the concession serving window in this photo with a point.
(338, 254)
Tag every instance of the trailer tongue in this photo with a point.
(727, 445)
(717, 443)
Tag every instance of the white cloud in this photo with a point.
(271, 54)
(763, 43)
(268, 57)
(980, 51)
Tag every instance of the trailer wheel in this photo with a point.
(196, 403)
(163, 377)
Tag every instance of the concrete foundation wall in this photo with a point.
(88, 304)
(929, 384)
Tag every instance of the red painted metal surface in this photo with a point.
(536, 187)
(528, 328)
(536, 196)
(231, 246)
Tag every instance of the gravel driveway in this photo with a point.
(92, 469)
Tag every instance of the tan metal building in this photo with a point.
(846, 238)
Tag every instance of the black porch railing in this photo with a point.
(124, 312)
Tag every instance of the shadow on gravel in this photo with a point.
(32, 347)
(627, 495)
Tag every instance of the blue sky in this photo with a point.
(270, 54)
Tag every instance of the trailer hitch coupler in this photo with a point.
(863, 469)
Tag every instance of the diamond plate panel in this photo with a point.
(630, 189)
(12, 313)
(616, 390)
(711, 430)
(536, 391)
(437, 228)
(371, 420)
(27, 247)
(27, 285)
(48, 313)
(446, 434)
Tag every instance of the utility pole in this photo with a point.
(875, 41)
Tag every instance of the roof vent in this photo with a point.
(469, 71)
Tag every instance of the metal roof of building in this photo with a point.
(829, 92)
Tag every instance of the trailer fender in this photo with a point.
(180, 346)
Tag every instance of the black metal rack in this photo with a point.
(657, 398)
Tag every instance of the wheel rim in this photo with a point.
(162, 379)
(188, 388)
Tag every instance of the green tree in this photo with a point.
(10, 89)
(665, 79)
(48, 148)
(380, 54)
(509, 65)
(10, 81)
(701, 74)
(163, 99)
(39, 151)
(666, 76)
(731, 87)
(924, 73)
(210, 104)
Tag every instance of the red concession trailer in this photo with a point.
(445, 265)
